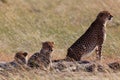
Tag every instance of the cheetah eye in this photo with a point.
(25, 54)
(49, 46)
(110, 16)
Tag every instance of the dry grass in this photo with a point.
(24, 24)
(41, 75)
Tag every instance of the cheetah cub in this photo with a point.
(92, 39)
(20, 61)
(42, 59)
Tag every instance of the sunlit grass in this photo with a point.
(25, 24)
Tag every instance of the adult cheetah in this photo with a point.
(20, 61)
(42, 59)
(92, 39)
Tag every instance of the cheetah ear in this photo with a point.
(53, 43)
(101, 14)
(25, 54)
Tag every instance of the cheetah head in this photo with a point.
(47, 46)
(21, 57)
(104, 16)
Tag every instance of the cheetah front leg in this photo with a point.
(98, 52)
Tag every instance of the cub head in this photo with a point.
(104, 16)
(21, 57)
(47, 46)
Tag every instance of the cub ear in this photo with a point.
(53, 43)
(25, 54)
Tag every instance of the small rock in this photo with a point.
(114, 65)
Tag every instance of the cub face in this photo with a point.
(104, 16)
(47, 46)
(21, 57)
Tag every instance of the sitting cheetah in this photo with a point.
(92, 39)
(19, 61)
(42, 59)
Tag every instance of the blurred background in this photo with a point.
(25, 24)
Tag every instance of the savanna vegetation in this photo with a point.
(25, 24)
